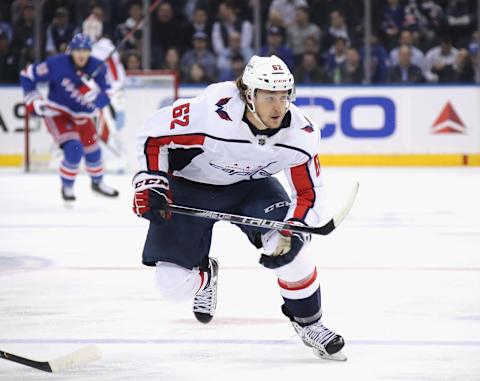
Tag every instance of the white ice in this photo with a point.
(400, 281)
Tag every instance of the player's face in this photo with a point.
(271, 106)
(80, 57)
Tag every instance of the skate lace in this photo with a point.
(203, 300)
(318, 333)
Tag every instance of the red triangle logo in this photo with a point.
(448, 122)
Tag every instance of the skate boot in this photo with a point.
(68, 194)
(104, 190)
(205, 302)
(325, 343)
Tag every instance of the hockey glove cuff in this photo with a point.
(152, 192)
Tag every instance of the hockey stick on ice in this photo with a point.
(270, 224)
(80, 357)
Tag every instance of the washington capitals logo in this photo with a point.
(308, 128)
(220, 111)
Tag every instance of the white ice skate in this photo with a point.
(325, 343)
(205, 302)
(68, 195)
(104, 189)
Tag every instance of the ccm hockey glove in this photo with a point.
(281, 247)
(152, 191)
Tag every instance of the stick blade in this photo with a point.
(75, 359)
(340, 216)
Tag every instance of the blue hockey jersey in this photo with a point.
(65, 86)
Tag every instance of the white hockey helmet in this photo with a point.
(267, 73)
(92, 27)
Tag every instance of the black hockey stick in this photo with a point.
(80, 357)
(270, 224)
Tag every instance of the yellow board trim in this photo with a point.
(349, 160)
(11, 160)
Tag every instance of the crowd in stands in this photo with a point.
(412, 41)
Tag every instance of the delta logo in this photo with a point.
(448, 122)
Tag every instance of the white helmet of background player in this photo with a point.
(92, 27)
(266, 73)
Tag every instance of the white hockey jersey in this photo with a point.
(116, 75)
(204, 139)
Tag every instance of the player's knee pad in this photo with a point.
(72, 151)
(176, 283)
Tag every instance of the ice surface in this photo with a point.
(400, 281)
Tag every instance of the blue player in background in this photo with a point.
(69, 109)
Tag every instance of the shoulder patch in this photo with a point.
(220, 111)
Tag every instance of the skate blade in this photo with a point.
(68, 204)
(339, 356)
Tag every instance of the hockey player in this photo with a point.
(68, 111)
(220, 151)
(111, 118)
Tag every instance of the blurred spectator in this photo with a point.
(405, 70)
(191, 6)
(59, 32)
(418, 58)
(337, 28)
(172, 60)
(312, 45)
(460, 19)
(200, 23)
(8, 63)
(275, 46)
(98, 12)
(283, 11)
(378, 60)
(336, 57)
(309, 72)
(234, 71)
(227, 23)
(424, 18)
(134, 16)
(199, 55)
(5, 27)
(224, 59)
(440, 62)
(196, 74)
(22, 42)
(299, 30)
(133, 61)
(167, 32)
(392, 22)
(351, 71)
(464, 71)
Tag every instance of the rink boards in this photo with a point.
(428, 125)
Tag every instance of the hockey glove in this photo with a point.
(281, 247)
(152, 191)
(37, 106)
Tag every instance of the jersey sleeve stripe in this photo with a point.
(113, 68)
(304, 188)
(153, 145)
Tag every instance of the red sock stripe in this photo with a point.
(94, 170)
(300, 285)
(67, 172)
(202, 278)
